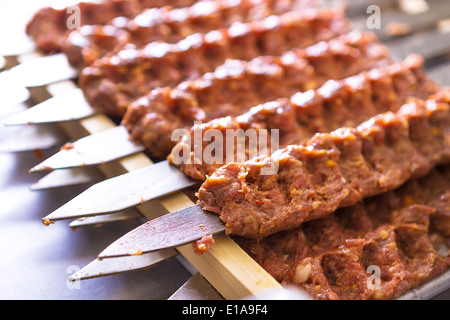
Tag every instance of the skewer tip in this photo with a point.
(40, 168)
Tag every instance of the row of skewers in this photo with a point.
(354, 123)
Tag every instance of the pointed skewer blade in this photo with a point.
(94, 149)
(66, 107)
(31, 138)
(96, 221)
(196, 288)
(100, 268)
(124, 191)
(167, 231)
(42, 71)
(67, 177)
(15, 93)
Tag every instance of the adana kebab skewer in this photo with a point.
(336, 104)
(401, 232)
(168, 25)
(110, 84)
(231, 89)
(385, 88)
(80, 47)
(330, 171)
(49, 26)
(113, 82)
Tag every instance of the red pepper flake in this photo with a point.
(137, 253)
(202, 246)
(67, 146)
(47, 222)
(38, 154)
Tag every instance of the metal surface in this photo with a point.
(170, 230)
(435, 288)
(126, 215)
(430, 44)
(441, 73)
(396, 23)
(196, 288)
(358, 8)
(67, 177)
(31, 138)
